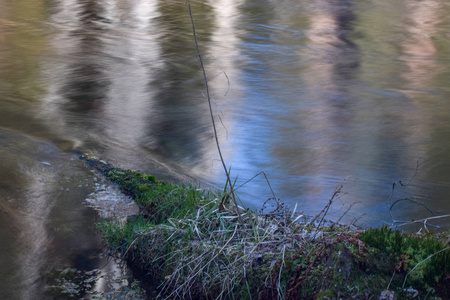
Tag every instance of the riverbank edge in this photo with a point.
(187, 242)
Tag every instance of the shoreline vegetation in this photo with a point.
(191, 243)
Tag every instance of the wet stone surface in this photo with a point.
(109, 202)
(71, 283)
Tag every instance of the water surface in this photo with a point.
(317, 94)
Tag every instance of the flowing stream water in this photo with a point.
(318, 94)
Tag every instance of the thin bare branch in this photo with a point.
(267, 180)
(212, 114)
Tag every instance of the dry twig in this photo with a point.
(212, 114)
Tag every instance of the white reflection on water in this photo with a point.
(223, 74)
(418, 51)
(105, 55)
(130, 100)
(33, 234)
(26, 205)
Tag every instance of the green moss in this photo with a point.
(136, 184)
(339, 269)
(159, 200)
(407, 251)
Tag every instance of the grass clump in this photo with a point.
(189, 243)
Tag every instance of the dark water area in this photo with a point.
(317, 94)
(44, 226)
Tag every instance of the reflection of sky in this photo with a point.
(308, 117)
(275, 111)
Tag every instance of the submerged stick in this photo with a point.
(212, 114)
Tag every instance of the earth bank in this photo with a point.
(189, 243)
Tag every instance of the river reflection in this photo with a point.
(315, 93)
(44, 226)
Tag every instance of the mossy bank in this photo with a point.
(188, 243)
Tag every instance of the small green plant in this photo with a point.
(424, 258)
(120, 236)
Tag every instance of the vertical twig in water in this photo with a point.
(212, 114)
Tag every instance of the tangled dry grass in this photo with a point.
(221, 254)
